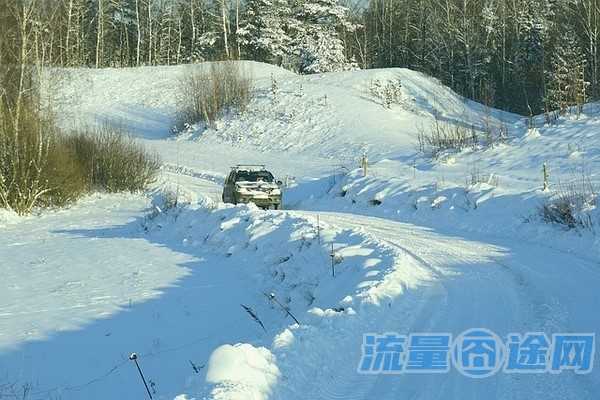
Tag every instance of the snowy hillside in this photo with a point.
(332, 116)
(324, 123)
(200, 289)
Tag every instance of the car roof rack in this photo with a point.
(248, 166)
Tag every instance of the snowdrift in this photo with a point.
(288, 257)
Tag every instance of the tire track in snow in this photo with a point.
(487, 284)
(471, 276)
(191, 172)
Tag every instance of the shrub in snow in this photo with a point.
(274, 88)
(36, 168)
(444, 136)
(477, 177)
(164, 201)
(571, 205)
(169, 201)
(493, 133)
(42, 167)
(113, 161)
(170, 195)
(61, 168)
(389, 92)
(209, 92)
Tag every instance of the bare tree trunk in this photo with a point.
(139, 33)
(591, 14)
(504, 60)
(127, 45)
(594, 47)
(193, 23)
(170, 22)
(237, 27)
(180, 29)
(149, 32)
(83, 48)
(24, 155)
(99, 32)
(391, 33)
(225, 35)
(24, 20)
(67, 40)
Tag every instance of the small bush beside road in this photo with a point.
(207, 93)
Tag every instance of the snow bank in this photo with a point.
(482, 209)
(494, 191)
(281, 252)
(168, 194)
(242, 372)
(288, 255)
(8, 217)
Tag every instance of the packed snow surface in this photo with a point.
(231, 302)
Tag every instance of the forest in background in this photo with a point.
(525, 56)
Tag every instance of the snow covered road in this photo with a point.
(161, 293)
(500, 285)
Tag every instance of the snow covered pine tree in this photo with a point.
(566, 79)
(316, 41)
(262, 33)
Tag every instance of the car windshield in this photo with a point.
(254, 176)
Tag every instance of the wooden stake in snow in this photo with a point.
(332, 255)
(364, 164)
(546, 175)
(253, 315)
(318, 229)
(195, 367)
(271, 297)
(133, 357)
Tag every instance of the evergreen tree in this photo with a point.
(262, 33)
(317, 44)
(529, 57)
(566, 79)
(321, 52)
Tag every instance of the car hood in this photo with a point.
(257, 188)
